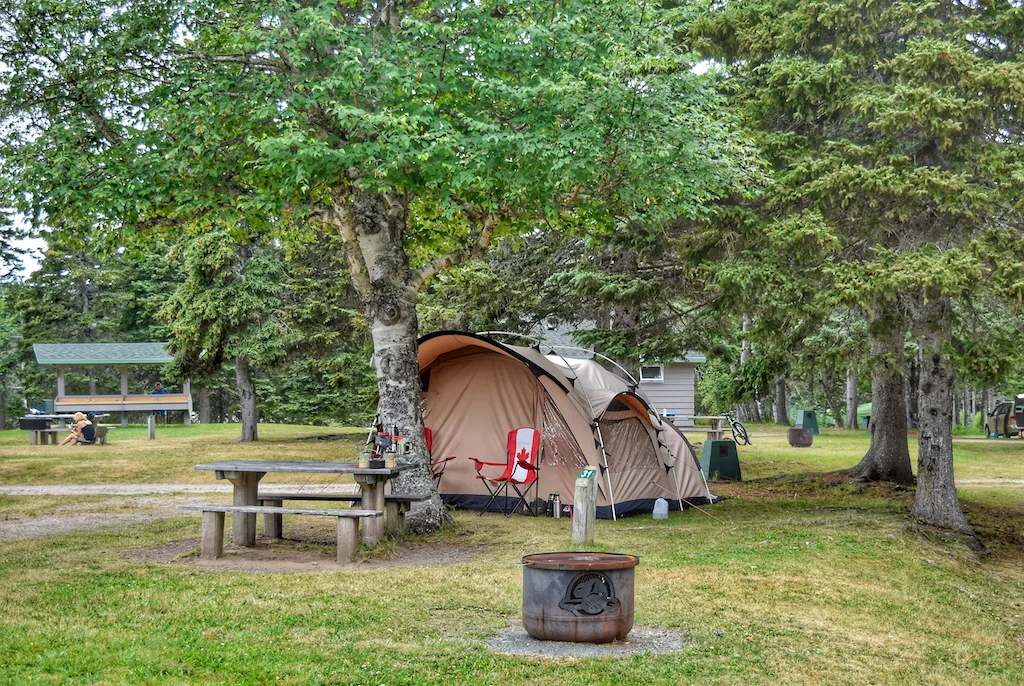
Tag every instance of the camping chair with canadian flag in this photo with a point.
(436, 468)
(521, 470)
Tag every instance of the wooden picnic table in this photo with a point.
(245, 476)
(717, 430)
(49, 434)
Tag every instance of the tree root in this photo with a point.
(932, 534)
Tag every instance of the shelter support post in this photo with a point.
(124, 393)
(187, 387)
(60, 382)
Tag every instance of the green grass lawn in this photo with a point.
(798, 577)
(129, 457)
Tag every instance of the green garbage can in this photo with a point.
(809, 419)
(718, 459)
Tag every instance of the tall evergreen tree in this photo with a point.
(226, 308)
(899, 124)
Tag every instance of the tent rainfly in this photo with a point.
(476, 390)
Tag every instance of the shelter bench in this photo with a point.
(213, 525)
(395, 507)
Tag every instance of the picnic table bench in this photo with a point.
(245, 476)
(395, 507)
(212, 545)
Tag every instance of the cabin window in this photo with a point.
(654, 372)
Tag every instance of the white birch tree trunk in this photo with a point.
(373, 228)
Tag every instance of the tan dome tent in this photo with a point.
(476, 390)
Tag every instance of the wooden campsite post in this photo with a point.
(584, 509)
(151, 422)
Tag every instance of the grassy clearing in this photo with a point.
(130, 457)
(974, 457)
(798, 581)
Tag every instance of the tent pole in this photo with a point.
(607, 469)
(679, 496)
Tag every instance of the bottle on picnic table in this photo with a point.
(364, 458)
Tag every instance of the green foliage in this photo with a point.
(312, 347)
(249, 110)
(716, 388)
(894, 132)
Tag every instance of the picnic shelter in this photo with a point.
(65, 356)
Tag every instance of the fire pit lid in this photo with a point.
(581, 561)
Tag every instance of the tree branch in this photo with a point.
(471, 252)
(339, 215)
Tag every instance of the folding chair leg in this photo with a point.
(494, 494)
(522, 499)
(438, 477)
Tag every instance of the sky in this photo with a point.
(34, 246)
(30, 261)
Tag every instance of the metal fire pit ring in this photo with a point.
(579, 597)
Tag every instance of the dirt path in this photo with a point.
(153, 501)
(53, 525)
(990, 482)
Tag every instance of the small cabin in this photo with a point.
(65, 356)
(671, 386)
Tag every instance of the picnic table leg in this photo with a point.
(213, 535)
(243, 526)
(373, 499)
(348, 539)
(33, 437)
(272, 523)
(394, 522)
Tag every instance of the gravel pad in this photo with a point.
(515, 641)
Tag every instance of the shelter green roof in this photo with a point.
(73, 354)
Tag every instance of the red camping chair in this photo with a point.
(436, 468)
(521, 469)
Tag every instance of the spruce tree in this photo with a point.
(898, 124)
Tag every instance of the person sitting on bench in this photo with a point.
(82, 431)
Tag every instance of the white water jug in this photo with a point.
(661, 509)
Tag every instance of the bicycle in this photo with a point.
(739, 432)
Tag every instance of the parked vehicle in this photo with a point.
(1002, 421)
